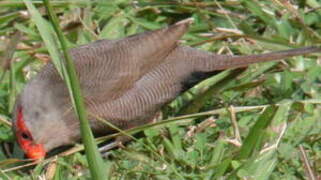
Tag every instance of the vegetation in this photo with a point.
(256, 123)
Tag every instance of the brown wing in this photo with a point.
(156, 88)
(107, 69)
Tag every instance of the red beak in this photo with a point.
(35, 151)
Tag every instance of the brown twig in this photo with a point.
(192, 4)
(5, 122)
(235, 125)
(51, 169)
(219, 37)
(307, 165)
(312, 10)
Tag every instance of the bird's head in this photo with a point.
(40, 121)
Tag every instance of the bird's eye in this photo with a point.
(25, 136)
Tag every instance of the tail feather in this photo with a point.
(241, 61)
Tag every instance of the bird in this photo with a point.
(125, 81)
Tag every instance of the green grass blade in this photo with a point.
(256, 133)
(96, 164)
(222, 167)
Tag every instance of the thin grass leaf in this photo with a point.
(7, 64)
(13, 90)
(222, 168)
(95, 162)
(218, 152)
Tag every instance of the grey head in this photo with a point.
(44, 109)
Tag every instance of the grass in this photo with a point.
(259, 123)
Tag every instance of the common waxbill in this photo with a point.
(124, 81)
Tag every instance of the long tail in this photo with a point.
(240, 61)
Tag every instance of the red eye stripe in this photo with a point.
(20, 122)
(22, 131)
